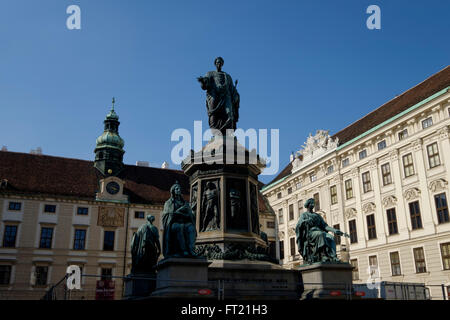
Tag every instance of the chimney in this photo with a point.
(4, 148)
(291, 158)
(38, 151)
(142, 164)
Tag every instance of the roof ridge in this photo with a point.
(394, 98)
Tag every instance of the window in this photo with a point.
(352, 230)
(403, 134)
(355, 272)
(445, 253)
(79, 240)
(82, 211)
(5, 274)
(367, 186)
(392, 221)
(337, 239)
(333, 194)
(416, 220)
(419, 259)
(330, 169)
(292, 245)
(441, 207)
(298, 185)
(108, 241)
(433, 155)
(381, 145)
(9, 236)
(395, 263)
(371, 229)
(280, 216)
(106, 273)
(362, 154)
(348, 189)
(386, 173)
(270, 224)
(49, 208)
(46, 238)
(313, 177)
(300, 207)
(373, 261)
(281, 249)
(428, 122)
(408, 166)
(279, 195)
(289, 190)
(317, 201)
(345, 162)
(139, 214)
(291, 212)
(41, 273)
(14, 206)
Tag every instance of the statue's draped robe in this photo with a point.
(313, 240)
(179, 228)
(145, 248)
(222, 101)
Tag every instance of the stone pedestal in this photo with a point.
(139, 285)
(326, 280)
(224, 197)
(251, 280)
(181, 278)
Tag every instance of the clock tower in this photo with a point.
(109, 146)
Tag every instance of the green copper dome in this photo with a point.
(110, 139)
(112, 115)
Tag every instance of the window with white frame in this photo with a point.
(403, 134)
(345, 162)
(428, 122)
(362, 154)
(381, 145)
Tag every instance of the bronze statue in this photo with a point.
(179, 226)
(210, 208)
(222, 98)
(314, 242)
(145, 247)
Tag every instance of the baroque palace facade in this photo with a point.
(56, 212)
(384, 181)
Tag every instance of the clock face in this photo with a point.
(112, 187)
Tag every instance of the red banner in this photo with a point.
(105, 290)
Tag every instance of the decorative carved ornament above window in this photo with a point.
(412, 194)
(368, 207)
(438, 185)
(350, 213)
(389, 201)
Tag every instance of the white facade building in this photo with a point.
(384, 180)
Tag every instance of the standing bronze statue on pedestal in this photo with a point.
(145, 247)
(222, 98)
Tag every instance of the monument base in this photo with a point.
(326, 281)
(139, 285)
(181, 278)
(252, 280)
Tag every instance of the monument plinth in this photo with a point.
(326, 280)
(224, 197)
(181, 278)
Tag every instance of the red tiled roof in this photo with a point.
(423, 90)
(48, 175)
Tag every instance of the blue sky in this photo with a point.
(301, 65)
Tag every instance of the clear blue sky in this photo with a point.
(301, 65)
